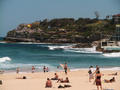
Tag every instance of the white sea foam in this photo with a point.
(112, 68)
(83, 50)
(69, 48)
(4, 59)
(102, 69)
(3, 42)
(30, 43)
(59, 47)
(117, 54)
(26, 67)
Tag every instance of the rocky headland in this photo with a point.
(83, 31)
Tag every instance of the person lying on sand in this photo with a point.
(48, 83)
(56, 77)
(110, 81)
(114, 74)
(24, 77)
(63, 81)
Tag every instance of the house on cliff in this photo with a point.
(116, 18)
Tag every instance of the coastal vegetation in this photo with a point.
(63, 30)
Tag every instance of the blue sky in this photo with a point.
(15, 12)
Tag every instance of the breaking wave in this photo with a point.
(4, 59)
(83, 50)
(117, 54)
(69, 48)
(59, 47)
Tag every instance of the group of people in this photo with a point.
(93, 74)
(56, 77)
(45, 69)
(97, 75)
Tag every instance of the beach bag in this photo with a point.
(0, 82)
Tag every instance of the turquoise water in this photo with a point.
(27, 55)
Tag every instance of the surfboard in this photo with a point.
(62, 65)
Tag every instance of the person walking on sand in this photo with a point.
(33, 69)
(98, 80)
(65, 68)
(17, 70)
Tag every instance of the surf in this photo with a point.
(4, 59)
(117, 54)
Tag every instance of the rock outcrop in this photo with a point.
(67, 30)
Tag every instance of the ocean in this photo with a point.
(26, 55)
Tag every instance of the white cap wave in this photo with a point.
(112, 54)
(4, 59)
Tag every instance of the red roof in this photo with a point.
(117, 15)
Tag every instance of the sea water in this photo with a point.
(26, 55)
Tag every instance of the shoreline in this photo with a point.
(36, 81)
(61, 70)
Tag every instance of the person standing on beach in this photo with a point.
(47, 69)
(33, 69)
(65, 68)
(17, 70)
(95, 72)
(44, 69)
(90, 73)
(98, 80)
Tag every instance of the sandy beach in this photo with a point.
(36, 81)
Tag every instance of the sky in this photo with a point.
(15, 12)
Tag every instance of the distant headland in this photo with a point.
(84, 31)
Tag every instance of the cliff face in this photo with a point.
(65, 30)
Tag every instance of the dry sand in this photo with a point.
(36, 81)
